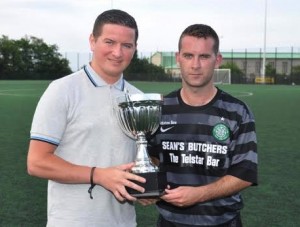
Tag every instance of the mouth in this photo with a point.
(115, 61)
(196, 74)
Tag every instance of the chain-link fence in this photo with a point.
(282, 64)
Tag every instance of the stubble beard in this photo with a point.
(200, 83)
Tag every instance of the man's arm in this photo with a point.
(42, 162)
(187, 196)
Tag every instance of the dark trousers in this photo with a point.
(236, 222)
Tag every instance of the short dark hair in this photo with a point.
(114, 16)
(200, 31)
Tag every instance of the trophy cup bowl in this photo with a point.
(139, 117)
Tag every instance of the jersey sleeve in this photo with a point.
(50, 117)
(244, 159)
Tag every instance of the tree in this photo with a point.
(31, 58)
(295, 76)
(141, 69)
(237, 75)
(270, 71)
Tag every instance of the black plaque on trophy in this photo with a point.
(156, 183)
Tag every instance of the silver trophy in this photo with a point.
(139, 117)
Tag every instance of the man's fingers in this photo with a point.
(134, 186)
(126, 167)
(122, 179)
(119, 196)
(126, 195)
(134, 177)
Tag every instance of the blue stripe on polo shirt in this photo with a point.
(123, 85)
(90, 76)
(43, 139)
(98, 81)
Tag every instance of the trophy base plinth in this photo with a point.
(156, 183)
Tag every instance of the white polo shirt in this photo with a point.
(76, 114)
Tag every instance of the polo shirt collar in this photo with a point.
(97, 81)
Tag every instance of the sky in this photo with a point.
(240, 24)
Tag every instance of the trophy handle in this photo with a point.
(143, 163)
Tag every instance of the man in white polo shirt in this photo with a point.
(76, 142)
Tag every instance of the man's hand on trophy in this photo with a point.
(116, 178)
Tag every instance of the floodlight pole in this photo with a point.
(263, 71)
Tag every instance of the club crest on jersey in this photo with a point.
(220, 132)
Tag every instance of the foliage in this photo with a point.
(270, 70)
(31, 58)
(237, 75)
(142, 70)
(295, 76)
(296, 70)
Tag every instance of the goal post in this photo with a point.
(222, 76)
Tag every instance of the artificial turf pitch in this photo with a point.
(273, 203)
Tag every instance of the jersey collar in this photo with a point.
(97, 81)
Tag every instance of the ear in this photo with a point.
(218, 60)
(92, 41)
(135, 49)
(177, 55)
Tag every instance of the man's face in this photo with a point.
(112, 51)
(197, 61)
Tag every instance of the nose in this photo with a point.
(196, 63)
(117, 51)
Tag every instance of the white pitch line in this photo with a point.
(31, 89)
(3, 92)
(244, 94)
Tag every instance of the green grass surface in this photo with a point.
(274, 203)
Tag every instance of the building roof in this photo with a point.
(257, 55)
(168, 60)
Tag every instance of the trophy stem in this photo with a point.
(143, 163)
